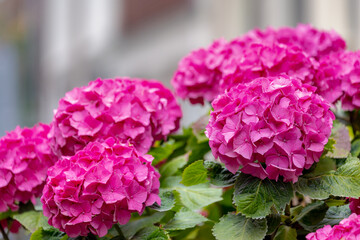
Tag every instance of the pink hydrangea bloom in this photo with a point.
(355, 205)
(269, 127)
(338, 77)
(14, 228)
(25, 156)
(348, 228)
(316, 43)
(99, 186)
(264, 60)
(199, 74)
(131, 110)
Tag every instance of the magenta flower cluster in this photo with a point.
(25, 156)
(205, 73)
(338, 77)
(14, 227)
(348, 228)
(265, 60)
(355, 205)
(269, 127)
(98, 187)
(314, 42)
(131, 110)
(199, 74)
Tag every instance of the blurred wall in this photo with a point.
(68, 43)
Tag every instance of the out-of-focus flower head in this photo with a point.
(349, 228)
(355, 205)
(131, 110)
(338, 77)
(316, 43)
(99, 186)
(14, 227)
(25, 156)
(199, 74)
(269, 127)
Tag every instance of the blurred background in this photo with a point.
(48, 47)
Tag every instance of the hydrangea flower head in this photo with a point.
(339, 78)
(269, 127)
(349, 228)
(25, 156)
(199, 74)
(14, 227)
(316, 43)
(355, 205)
(265, 60)
(99, 186)
(131, 110)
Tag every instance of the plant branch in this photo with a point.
(5, 236)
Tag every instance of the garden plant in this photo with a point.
(276, 157)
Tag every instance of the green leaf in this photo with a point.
(194, 174)
(7, 214)
(285, 233)
(340, 133)
(193, 197)
(324, 165)
(344, 182)
(254, 197)
(172, 167)
(273, 222)
(131, 228)
(151, 233)
(164, 151)
(199, 196)
(329, 146)
(185, 219)
(355, 148)
(219, 175)
(311, 214)
(239, 227)
(333, 217)
(167, 201)
(32, 220)
(197, 147)
(48, 234)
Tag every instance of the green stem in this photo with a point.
(5, 236)
(118, 229)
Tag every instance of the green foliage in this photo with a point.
(355, 148)
(311, 214)
(151, 233)
(172, 167)
(324, 165)
(239, 227)
(219, 175)
(285, 233)
(194, 174)
(32, 220)
(273, 221)
(193, 197)
(185, 219)
(332, 217)
(254, 197)
(7, 214)
(130, 229)
(344, 182)
(329, 146)
(49, 233)
(167, 201)
(165, 150)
